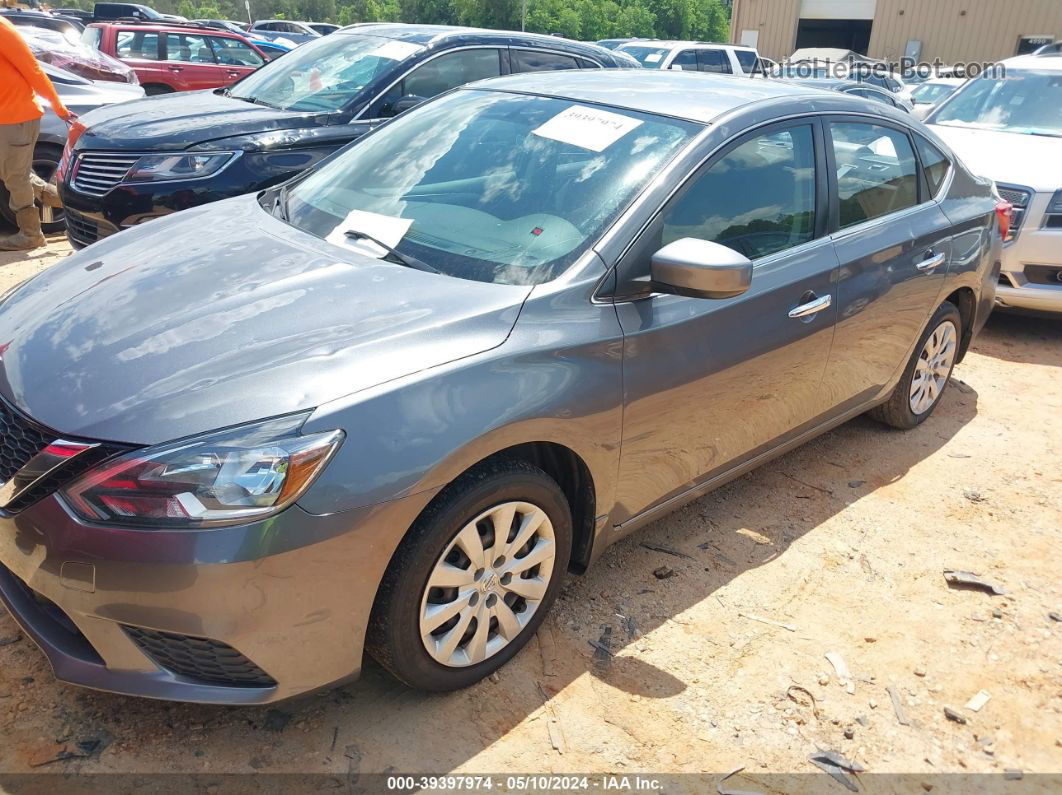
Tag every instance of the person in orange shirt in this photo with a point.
(21, 78)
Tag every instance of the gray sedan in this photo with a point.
(390, 405)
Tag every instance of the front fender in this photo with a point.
(558, 378)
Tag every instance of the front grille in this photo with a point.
(1020, 200)
(20, 440)
(82, 231)
(95, 173)
(208, 661)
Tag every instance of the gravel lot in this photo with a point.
(837, 547)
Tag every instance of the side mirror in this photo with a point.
(405, 103)
(700, 269)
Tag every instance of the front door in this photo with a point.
(893, 250)
(709, 383)
(235, 58)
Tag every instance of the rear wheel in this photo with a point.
(926, 376)
(474, 578)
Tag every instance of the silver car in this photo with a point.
(390, 405)
(80, 96)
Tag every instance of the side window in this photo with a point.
(876, 172)
(685, 61)
(265, 26)
(934, 164)
(189, 49)
(747, 59)
(234, 52)
(757, 199)
(586, 63)
(452, 70)
(714, 61)
(136, 44)
(531, 61)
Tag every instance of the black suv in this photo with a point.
(147, 158)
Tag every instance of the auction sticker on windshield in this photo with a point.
(588, 128)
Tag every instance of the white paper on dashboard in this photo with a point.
(652, 57)
(589, 128)
(385, 228)
(396, 50)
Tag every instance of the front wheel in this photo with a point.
(474, 578)
(926, 375)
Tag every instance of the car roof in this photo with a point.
(830, 83)
(429, 35)
(696, 96)
(1050, 62)
(168, 27)
(673, 44)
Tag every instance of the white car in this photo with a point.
(925, 96)
(1010, 130)
(693, 56)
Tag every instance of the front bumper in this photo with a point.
(240, 615)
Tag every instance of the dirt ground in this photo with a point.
(836, 547)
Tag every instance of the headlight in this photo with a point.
(153, 168)
(239, 475)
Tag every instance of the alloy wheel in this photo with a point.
(487, 584)
(933, 367)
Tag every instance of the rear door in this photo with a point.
(714, 60)
(235, 57)
(893, 242)
(190, 58)
(140, 49)
(709, 384)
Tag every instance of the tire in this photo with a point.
(405, 616)
(45, 163)
(154, 89)
(911, 404)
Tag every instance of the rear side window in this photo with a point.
(685, 61)
(757, 199)
(452, 70)
(876, 172)
(137, 44)
(233, 52)
(531, 61)
(747, 59)
(714, 61)
(934, 164)
(189, 49)
(586, 63)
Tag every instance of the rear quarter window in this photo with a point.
(532, 61)
(935, 164)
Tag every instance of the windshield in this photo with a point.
(928, 93)
(488, 186)
(1026, 101)
(649, 57)
(325, 74)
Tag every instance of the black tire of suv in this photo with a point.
(896, 411)
(393, 637)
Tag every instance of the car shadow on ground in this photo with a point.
(376, 724)
(1007, 336)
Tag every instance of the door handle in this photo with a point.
(931, 262)
(176, 68)
(811, 307)
(233, 73)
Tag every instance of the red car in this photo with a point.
(169, 58)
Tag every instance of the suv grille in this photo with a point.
(207, 660)
(1020, 199)
(82, 231)
(95, 173)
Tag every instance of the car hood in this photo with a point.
(183, 119)
(221, 315)
(1012, 158)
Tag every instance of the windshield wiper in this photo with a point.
(280, 207)
(403, 259)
